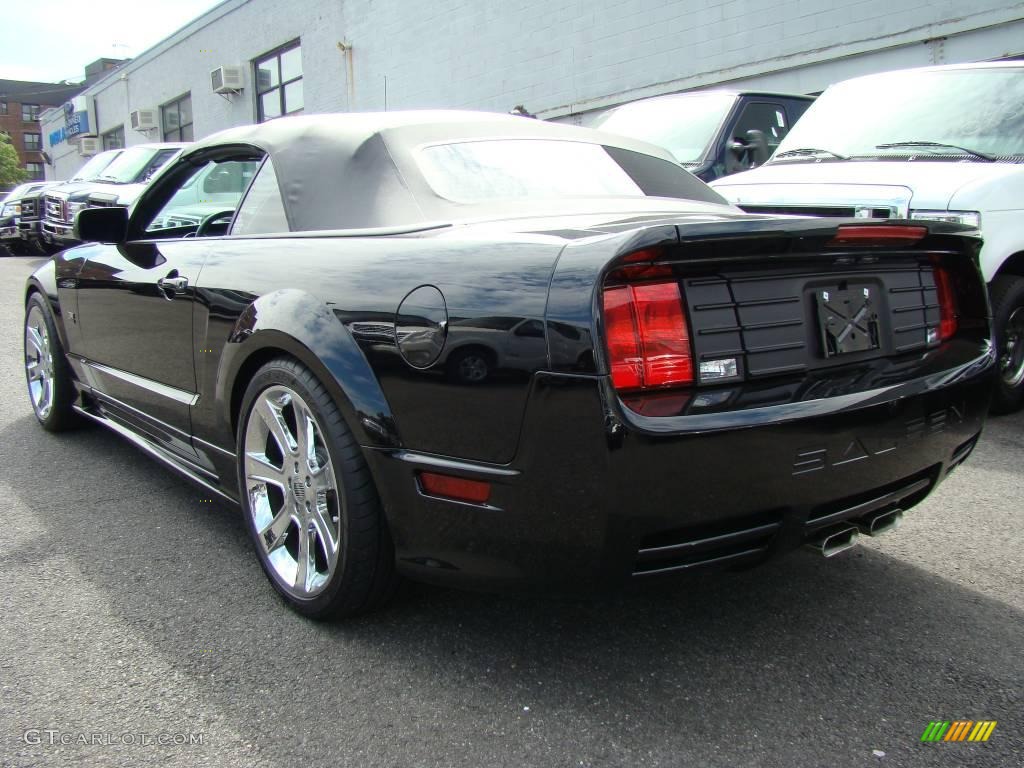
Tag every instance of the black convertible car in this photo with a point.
(486, 351)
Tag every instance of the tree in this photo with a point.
(11, 172)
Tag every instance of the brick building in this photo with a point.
(21, 103)
(559, 58)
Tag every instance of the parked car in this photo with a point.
(933, 144)
(10, 216)
(711, 133)
(31, 204)
(286, 352)
(118, 184)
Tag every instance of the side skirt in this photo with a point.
(154, 451)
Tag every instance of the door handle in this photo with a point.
(172, 286)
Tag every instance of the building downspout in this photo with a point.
(346, 49)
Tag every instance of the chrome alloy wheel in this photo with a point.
(1011, 362)
(38, 362)
(294, 497)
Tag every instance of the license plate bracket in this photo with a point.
(848, 319)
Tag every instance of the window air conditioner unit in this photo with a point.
(144, 119)
(88, 147)
(226, 80)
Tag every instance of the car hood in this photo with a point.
(121, 194)
(917, 184)
(114, 191)
(67, 189)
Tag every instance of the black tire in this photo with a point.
(470, 365)
(1007, 295)
(363, 577)
(60, 415)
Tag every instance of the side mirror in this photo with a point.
(758, 146)
(101, 225)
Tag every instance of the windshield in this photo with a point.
(503, 169)
(683, 124)
(136, 164)
(979, 109)
(96, 166)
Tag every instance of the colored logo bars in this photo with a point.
(958, 730)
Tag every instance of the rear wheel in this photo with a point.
(47, 373)
(1007, 293)
(309, 501)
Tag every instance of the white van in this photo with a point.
(940, 143)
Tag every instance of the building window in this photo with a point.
(33, 142)
(3, 107)
(114, 139)
(279, 83)
(177, 118)
(29, 113)
(35, 171)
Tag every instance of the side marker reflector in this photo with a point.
(456, 488)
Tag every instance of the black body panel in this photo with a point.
(341, 307)
(592, 488)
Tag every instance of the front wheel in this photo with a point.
(47, 373)
(308, 498)
(1007, 293)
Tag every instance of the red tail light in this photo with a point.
(947, 303)
(877, 234)
(648, 338)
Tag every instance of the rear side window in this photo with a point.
(502, 169)
(660, 178)
(262, 211)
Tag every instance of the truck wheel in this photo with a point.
(1007, 293)
(469, 366)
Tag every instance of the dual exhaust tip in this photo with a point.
(839, 538)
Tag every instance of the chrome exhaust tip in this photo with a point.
(876, 525)
(831, 542)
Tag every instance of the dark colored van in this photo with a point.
(711, 133)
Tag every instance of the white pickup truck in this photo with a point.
(940, 143)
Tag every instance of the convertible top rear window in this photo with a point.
(502, 169)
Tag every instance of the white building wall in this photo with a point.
(556, 57)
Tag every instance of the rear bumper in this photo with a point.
(599, 496)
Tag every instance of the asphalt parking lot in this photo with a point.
(133, 607)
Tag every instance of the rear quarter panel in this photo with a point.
(303, 295)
